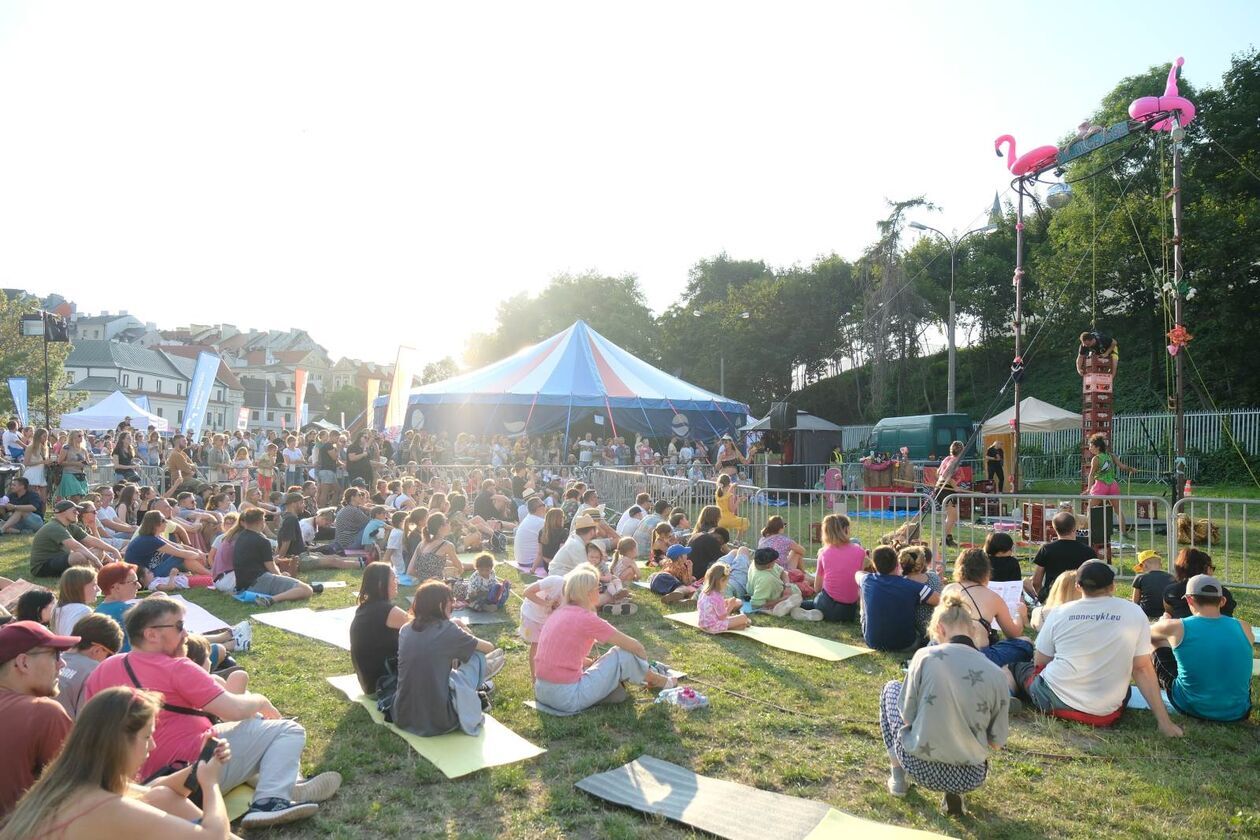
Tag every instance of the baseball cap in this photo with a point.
(20, 636)
(1205, 585)
(1143, 556)
(676, 551)
(1095, 574)
(65, 505)
(359, 482)
(294, 499)
(581, 521)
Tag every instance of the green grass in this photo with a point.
(1125, 782)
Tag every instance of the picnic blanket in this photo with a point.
(455, 754)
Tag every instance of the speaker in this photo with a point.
(782, 416)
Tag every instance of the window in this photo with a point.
(139, 383)
(179, 391)
(253, 415)
(943, 439)
(287, 417)
(218, 395)
(271, 416)
(179, 417)
(158, 411)
(126, 380)
(158, 389)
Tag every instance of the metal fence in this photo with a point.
(1222, 528)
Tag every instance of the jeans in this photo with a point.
(30, 522)
(832, 610)
(597, 682)
(1008, 652)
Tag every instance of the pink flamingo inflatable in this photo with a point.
(1170, 101)
(1038, 158)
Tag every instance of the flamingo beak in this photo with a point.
(997, 151)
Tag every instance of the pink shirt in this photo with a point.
(838, 564)
(182, 682)
(566, 640)
(712, 609)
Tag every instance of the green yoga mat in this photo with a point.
(729, 809)
(455, 754)
(237, 801)
(784, 638)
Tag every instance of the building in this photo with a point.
(99, 367)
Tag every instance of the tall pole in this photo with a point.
(47, 410)
(722, 374)
(1019, 305)
(953, 351)
(1179, 428)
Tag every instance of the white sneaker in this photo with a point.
(806, 615)
(243, 635)
(495, 660)
(317, 789)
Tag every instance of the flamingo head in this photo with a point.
(1007, 139)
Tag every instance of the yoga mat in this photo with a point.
(197, 619)
(238, 800)
(10, 594)
(728, 809)
(455, 754)
(785, 639)
(331, 626)
(1255, 667)
(548, 710)
(473, 617)
(1137, 701)
(331, 584)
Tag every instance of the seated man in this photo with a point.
(263, 744)
(1204, 661)
(889, 604)
(24, 510)
(255, 565)
(292, 539)
(100, 637)
(1087, 651)
(1063, 554)
(63, 543)
(107, 516)
(35, 723)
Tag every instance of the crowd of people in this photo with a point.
(185, 727)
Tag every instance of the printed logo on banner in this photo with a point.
(417, 420)
(680, 425)
(514, 427)
(242, 419)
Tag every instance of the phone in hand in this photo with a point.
(207, 753)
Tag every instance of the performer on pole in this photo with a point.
(1099, 344)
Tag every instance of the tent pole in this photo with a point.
(564, 456)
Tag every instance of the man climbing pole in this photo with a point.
(1099, 344)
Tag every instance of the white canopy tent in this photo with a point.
(111, 411)
(1034, 416)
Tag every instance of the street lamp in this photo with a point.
(721, 354)
(949, 330)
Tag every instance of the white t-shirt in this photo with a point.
(11, 439)
(586, 450)
(551, 588)
(394, 542)
(627, 525)
(570, 555)
(308, 529)
(1093, 642)
(400, 500)
(525, 543)
(67, 615)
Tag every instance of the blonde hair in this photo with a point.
(715, 578)
(912, 559)
(1062, 592)
(95, 756)
(580, 584)
(74, 580)
(835, 528)
(950, 613)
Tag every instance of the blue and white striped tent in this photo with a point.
(576, 381)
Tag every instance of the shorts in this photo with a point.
(326, 476)
(944, 496)
(1109, 489)
(269, 584)
(663, 583)
(53, 566)
(1033, 688)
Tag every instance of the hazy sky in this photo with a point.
(383, 173)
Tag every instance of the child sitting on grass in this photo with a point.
(540, 598)
(1063, 591)
(717, 612)
(770, 591)
(916, 565)
(889, 604)
(1150, 583)
(614, 598)
(662, 539)
(738, 561)
(624, 567)
(675, 581)
(486, 593)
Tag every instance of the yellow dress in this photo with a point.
(732, 522)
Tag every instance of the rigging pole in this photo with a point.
(1179, 382)
(1019, 329)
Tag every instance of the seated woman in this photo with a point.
(791, 553)
(941, 724)
(374, 629)
(158, 555)
(564, 678)
(835, 578)
(971, 585)
(76, 597)
(1191, 562)
(726, 497)
(436, 558)
(434, 698)
(87, 791)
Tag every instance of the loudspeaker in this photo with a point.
(782, 416)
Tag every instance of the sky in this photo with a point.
(383, 173)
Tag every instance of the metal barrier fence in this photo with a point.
(1222, 528)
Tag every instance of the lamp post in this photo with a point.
(949, 327)
(721, 354)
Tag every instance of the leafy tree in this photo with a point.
(347, 400)
(443, 368)
(23, 356)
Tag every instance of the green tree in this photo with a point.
(347, 400)
(443, 368)
(23, 356)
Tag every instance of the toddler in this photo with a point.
(770, 591)
(1150, 583)
(266, 468)
(675, 581)
(624, 567)
(662, 539)
(717, 612)
(486, 593)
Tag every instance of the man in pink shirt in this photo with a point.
(262, 743)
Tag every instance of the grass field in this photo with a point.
(1053, 778)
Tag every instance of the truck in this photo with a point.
(927, 436)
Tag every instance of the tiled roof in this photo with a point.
(114, 354)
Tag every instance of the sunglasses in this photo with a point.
(179, 625)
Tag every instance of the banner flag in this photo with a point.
(399, 392)
(18, 388)
(373, 391)
(143, 402)
(199, 390)
(242, 419)
(299, 397)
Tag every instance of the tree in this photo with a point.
(23, 356)
(347, 400)
(443, 368)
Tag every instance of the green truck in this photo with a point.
(927, 436)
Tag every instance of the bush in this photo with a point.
(1227, 466)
